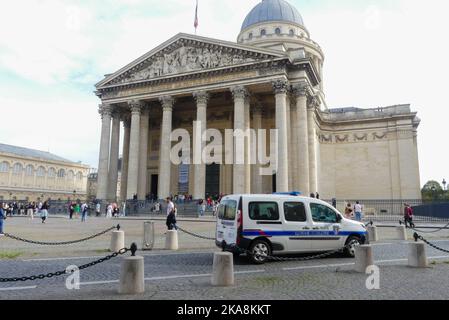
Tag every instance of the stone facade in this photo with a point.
(270, 79)
(30, 175)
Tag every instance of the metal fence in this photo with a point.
(393, 210)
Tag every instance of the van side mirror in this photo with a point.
(339, 218)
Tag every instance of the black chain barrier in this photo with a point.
(61, 243)
(195, 235)
(133, 250)
(422, 231)
(284, 259)
(273, 258)
(419, 237)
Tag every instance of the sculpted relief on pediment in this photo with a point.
(185, 59)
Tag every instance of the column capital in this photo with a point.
(105, 110)
(201, 97)
(167, 102)
(239, 92)
(136, 106)
(280, 86)
(300, 90)
(313, 102)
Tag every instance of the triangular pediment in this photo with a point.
(184, 54)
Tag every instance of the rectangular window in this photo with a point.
(295, 212)
(264, 211)
(227, 210)
(322, 213)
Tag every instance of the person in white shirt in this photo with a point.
(171, 215)
(358, 208)
(109, 212)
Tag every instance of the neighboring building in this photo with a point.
(272, 78)
(27, 174)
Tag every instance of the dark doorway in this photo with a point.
(154, 184)
(213, 179)
(274, 183)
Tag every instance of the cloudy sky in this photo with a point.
(52, 52)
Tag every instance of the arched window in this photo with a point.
(17, 169)
(61, 173)
(79, 175)
(70, 175)
(277, 31)
(291, 32)
(29, 170)
(51, 173)
(263, 32)
(4, 167)
(250, 36)
(40, 172)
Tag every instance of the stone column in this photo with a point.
(289, 143)
(103, 165)
(240, 94)
(302, 133)
(199, 189)
(134, 144)
(125, 160)
(293, 146)
(143, 154)
(280, 90)
(313, 169)
(248, 147)
(256, 180)
(165, 162)
(113, 162)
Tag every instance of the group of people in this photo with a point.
(354, 211)
(210, 204)
(76, 209)
(31, 209)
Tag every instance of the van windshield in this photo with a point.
(227, 210)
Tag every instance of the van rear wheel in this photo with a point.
(259, 252)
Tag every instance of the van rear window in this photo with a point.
(227, 210)
(264, 211)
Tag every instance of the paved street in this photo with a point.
(186, 274)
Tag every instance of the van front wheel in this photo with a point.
(259, 252)
(352, 242)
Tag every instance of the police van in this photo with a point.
(267, 225)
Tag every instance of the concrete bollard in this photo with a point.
(171, 240)
(363, 258)
(417, 256)
(401, 233)
(132, 279)
(372, 234)
(223, 269)
(117, 241)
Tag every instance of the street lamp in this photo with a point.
(444, 184)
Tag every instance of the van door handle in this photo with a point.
(316, 228)
(306, 228)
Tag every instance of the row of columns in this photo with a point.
(297, 168)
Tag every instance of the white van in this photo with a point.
(276, 224)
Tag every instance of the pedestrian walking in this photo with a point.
(109, 211)
(30, 210)
(84, 210)
(44, 211)
(2, 218)
(71, 210)
(77, 210)
(348, 211)
(358, 211)
(171, 215)
(408, 216)
(98, 209)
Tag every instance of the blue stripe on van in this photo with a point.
(255, 233)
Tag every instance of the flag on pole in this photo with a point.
(196, 16)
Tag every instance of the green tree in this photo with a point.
(433, 190)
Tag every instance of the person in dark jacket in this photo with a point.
(2, 218)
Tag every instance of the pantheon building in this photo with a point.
(270, 78)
